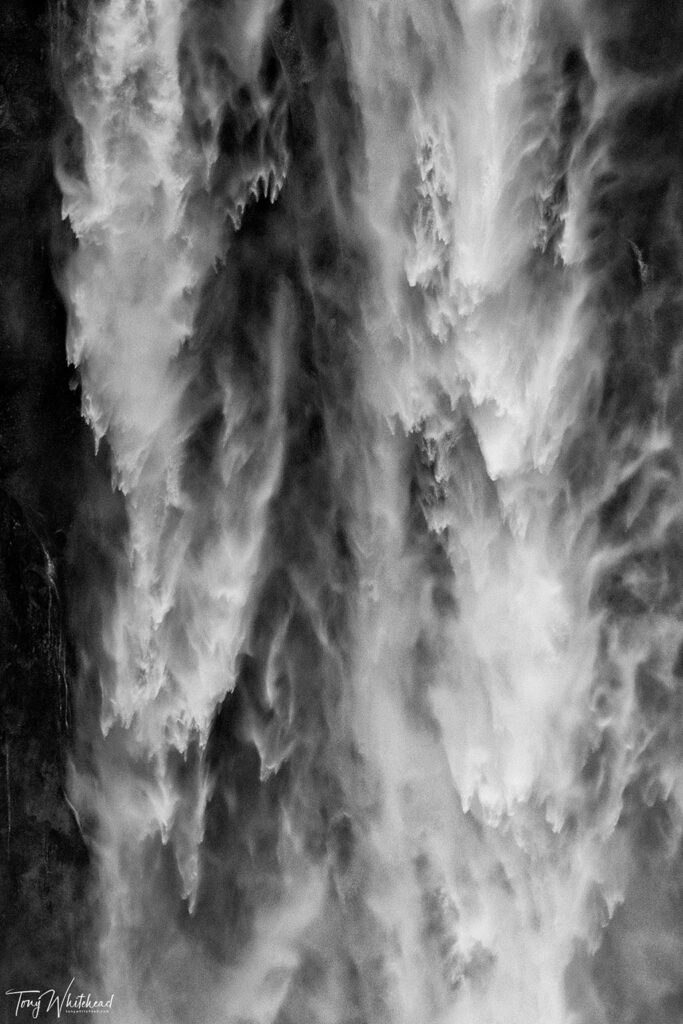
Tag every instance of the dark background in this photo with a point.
(45, 454)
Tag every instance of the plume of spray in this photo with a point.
(152, 211)
(479, 706)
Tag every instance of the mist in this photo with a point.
(360, 549)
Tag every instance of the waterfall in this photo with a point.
(375, 312)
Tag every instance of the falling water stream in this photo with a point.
(376, 309)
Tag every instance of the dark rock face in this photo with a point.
(43, 452)
(45, 859)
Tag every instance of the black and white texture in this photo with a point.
(341, 516)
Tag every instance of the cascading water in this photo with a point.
(376, 309)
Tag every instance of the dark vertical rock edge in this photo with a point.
(44, 451)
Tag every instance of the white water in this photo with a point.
(147, 239)
(473, 717)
